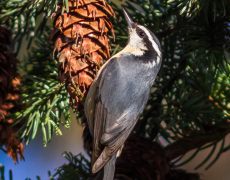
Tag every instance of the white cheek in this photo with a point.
(154, 44)
(135, 41)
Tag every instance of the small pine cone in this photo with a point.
(9, 97)
(82, 42)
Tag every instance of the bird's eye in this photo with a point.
(141, 33)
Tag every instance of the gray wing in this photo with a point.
(113, 105)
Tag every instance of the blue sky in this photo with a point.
(38, 160)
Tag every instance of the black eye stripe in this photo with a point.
(140, 32)
(146, 38)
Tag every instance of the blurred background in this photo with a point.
(50, 52)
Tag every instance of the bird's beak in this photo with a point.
(128, 19)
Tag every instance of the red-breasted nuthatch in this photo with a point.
(119, 94)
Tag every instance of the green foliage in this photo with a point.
(78, 167)
(45, 109)
(27, 18)
(190, 99)
(191, 8)
(45, 100)
(2, 173)
(191, 96)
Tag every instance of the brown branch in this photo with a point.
(143, 159)
(186, 144)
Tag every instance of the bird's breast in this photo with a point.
(134, 69)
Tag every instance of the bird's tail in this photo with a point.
(109, 169)
(107, 173)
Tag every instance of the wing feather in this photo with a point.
(114, 111)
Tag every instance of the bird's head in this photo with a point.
(142, 42)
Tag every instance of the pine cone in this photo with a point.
(9, 96)
(82, 43)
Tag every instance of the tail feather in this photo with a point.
(109, 169)
(102, 160)
(107, 173)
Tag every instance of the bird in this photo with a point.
(118, 96)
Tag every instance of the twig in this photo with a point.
(186, 144)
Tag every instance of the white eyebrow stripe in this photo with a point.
(155, 46)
